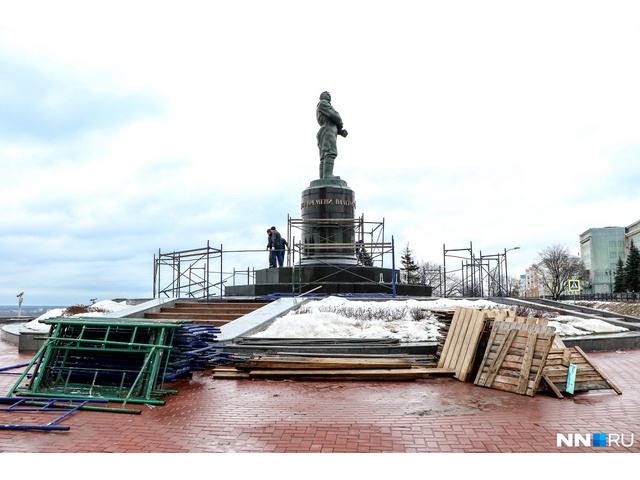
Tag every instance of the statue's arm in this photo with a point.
(327, 110)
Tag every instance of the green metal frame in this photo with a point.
(116, 359)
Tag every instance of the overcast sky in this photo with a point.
(131, 127)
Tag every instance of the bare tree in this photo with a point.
(515, 287)
(556, 267)
(430, 274)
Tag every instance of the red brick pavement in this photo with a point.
(442, 415)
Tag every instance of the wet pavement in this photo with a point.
(426, 416)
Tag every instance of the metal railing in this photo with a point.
(609, 297)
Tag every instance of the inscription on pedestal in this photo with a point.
(328, 213)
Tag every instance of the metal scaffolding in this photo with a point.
(199, 273)
(190, 273)
(369, 246)
(482, 275)
(468, 254)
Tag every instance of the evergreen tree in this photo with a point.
(411, 269)
(619, 278)
(632, 270)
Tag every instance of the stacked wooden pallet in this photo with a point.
(515, 357)
(588, 375)
(516, 354)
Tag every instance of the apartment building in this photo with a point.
(600, 249)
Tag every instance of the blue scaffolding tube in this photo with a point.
(20, 404)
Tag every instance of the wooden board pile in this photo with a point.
(515, 354)
(493, 348)
(333, 367)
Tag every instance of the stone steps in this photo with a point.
(216, 314)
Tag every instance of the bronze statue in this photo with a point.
(330, 127)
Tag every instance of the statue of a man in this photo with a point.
(330, 127)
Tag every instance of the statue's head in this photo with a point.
(325, 96)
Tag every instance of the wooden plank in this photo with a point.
(367, 374)
(527, 362)
(557, 342)
(487, 358)
(230, 374)
(322, 363)
(459, 337)
(566, 357)
(444, 356)
(501, 353)
(552, 386)
(465, 364)
(547, 342)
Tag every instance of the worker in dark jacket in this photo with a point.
(277, 244)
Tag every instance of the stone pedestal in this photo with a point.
(332, 279)
(328, 213)
(328, 260)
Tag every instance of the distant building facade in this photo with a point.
(632, 234)
(600, 249)
(534, 286)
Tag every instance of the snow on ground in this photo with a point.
(339, 317)
(342, 318)
(96, 310)
(568, 326)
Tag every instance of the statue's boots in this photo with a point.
(327, 168)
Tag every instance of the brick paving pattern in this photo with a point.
(440, 415)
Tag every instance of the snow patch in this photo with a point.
(568, 326)
(338, 317)
(104, 307)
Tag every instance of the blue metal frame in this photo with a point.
(20, 404)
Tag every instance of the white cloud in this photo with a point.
(164, 126)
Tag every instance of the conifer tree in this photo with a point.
(632, 269)
(619, 278)
(409, 266)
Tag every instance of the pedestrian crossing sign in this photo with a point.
(574, 285)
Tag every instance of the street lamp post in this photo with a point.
(610, 274)
(505, 266)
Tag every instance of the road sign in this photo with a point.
(574, 285)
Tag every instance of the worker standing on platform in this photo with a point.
(278, 248)
(272, 258)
